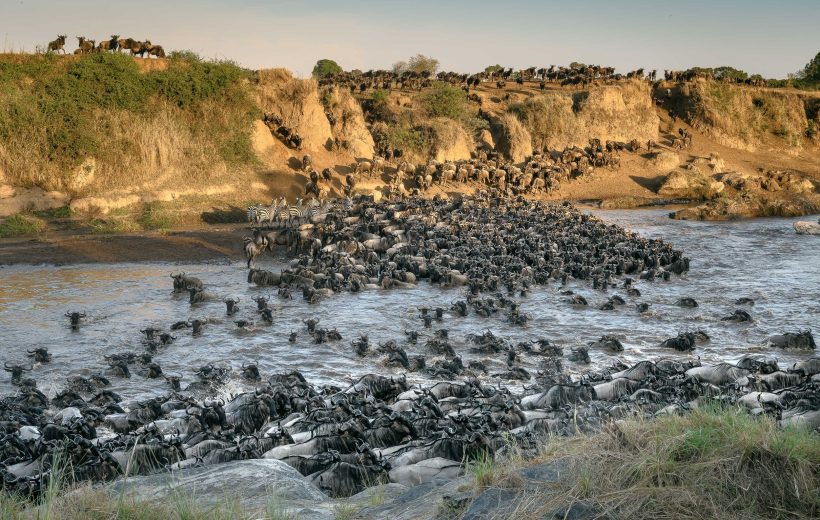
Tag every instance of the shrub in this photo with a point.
(379, 96)
(445, 101)
(188, 83)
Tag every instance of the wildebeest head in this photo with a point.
(261, 302)
(16, 371)
(74, 318)
(251, 372)
(231, 304)
(40, 354)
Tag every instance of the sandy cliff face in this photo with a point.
(557, 119)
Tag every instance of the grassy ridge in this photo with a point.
(57, 113)
(710, 463)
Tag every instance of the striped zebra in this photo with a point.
(301, 213)
(259, 213)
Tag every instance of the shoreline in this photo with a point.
(191, 244)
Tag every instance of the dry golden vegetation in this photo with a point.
(710, 463)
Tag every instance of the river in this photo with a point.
(762, 259)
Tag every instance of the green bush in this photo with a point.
(188, 83)
(445, 101)
(52, 106)
(379, 96)
(325, 68)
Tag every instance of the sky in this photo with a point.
(772, 38)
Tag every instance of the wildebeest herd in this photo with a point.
(494, 251)
(113, 44)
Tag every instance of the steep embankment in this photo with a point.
(557, 119)
(133, 138)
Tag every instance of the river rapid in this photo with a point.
(762, 259)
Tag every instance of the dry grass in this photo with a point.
(557, 119)
(744, 117)
(711, 463)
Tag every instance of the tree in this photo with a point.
(399, 68)
(730, 73)
(325, 68)
(493, 69)
(421, 63)
(811, 71)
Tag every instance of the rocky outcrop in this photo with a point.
(610, 113)
(349, 128)
(690, 182)
(16, 200)
(296, 101)
(511, 137)
(452, 142)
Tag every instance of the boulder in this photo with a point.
(452, 142)
(512, 138)
(485, 140)
(690, 183)
(807, 228)
(251, 482)
(665, 160)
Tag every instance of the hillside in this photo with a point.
(115, 137)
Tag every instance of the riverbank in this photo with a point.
(221, 244)
(708, 463)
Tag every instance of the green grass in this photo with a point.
(114, 226)
(484, 470)
(21, 224)
(158, 217)
(61, 212)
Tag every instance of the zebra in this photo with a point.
(303, 212)
(254, 214)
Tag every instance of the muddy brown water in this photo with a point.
(762, 259)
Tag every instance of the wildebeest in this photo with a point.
(57, 45)
(183, 282)
(74, 318)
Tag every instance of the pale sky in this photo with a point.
(772, 38)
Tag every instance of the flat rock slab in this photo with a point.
(423, 502)
(494, 504)
(252, 482)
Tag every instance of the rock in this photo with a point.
(716, 163)
(17, 200)
(485, 140)
(419, 503)
(803, 227)
(547, 472)
(493, 503)
(666, 161)
(576, 511)
(350, 126)
(690, 183)
(512, 138)
(452, 142)
(425, 471)
(102, 205)
(251, 482)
